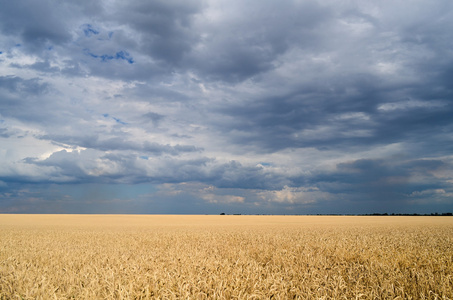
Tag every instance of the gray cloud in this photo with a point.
(163, 27)
(94, 166)
(14, 84)
(246, 41)
(36, 23)
(390, 183)
(296, 106)
(120, 142)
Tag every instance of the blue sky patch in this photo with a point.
(124, 55)
(88, 30)
(117, 120)
(121, 55)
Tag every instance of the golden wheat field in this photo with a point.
(225, 257)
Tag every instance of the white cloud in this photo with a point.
(411, 104)
(212, 198)
(291, 195)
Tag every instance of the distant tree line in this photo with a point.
(414, 214)
(378, 214)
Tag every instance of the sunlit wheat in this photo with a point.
(225, 257)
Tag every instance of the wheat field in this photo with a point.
(225, 257)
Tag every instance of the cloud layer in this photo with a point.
(226, 106)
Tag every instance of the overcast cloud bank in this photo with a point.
(293, 107)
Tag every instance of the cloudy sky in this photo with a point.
(274, 107)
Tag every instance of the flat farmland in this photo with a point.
(225, 257)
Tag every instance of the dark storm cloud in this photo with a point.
(17, 85)
(41, 66)
(19, 97)
(68, 68)
(384, 180)
(94, 166)
(30, 100)
(71, 166)
(37, 23)
(234, 175)
(44, 23)
(247, 40)
(163, 27)
(222, 175)
(354, 103)
(322, 118)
